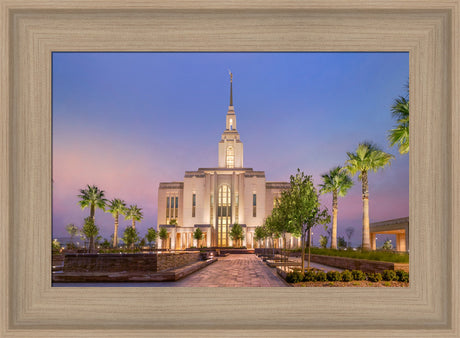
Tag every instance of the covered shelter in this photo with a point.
(398, 227)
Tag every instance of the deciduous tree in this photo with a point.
(151, 236)
(90, 231)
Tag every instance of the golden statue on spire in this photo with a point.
(231, 75)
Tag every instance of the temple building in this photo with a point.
(214, 199)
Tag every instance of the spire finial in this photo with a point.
(231, 87)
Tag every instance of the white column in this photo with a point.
(208, 237)
(373, 241)
(173, 239)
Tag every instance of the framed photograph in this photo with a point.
(33, 31)
(151, 184)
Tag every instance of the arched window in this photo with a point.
(230, 157)
(224, 214)
(231, 124)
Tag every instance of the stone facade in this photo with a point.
(151, 262)
(167, 261)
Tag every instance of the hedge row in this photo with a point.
(375, 255)
(347, 276)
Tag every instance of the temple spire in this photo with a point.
(231, 87)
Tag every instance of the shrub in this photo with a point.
(334, 276)
(389, 275)
(402, 276)
(71, 246)
(323, 241)
(310, 276)
(374, 277)
(294, 277)
(321, 276)
(55, 246)
(358, 275)
(347, 276)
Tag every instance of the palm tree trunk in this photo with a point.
(115, 232)
(365, 192)
(334, 220)
(92, 212)
(93, 216)
(134, 224)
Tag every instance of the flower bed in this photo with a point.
(348, 278)
(355, 284)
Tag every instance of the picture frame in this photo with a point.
(31, 30)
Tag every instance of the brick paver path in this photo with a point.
(243, 270)
(235, 270)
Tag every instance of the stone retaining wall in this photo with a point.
(358, 264)
(127, 262)
(347, 263)
(175, 260)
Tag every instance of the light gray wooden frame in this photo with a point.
(31, 30)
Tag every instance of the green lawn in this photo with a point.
(385, 256)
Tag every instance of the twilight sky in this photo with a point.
(127, 121)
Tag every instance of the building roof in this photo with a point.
(277, 185)
(171, 185)
(248, 172)
(202, 225)
(390, 225)
(167, 225)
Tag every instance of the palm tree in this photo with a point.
(367, 157)
(116, 207)
(93, 198)
(400, 134)
(134, 213)
(338, 182)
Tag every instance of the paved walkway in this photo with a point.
(325, 268)
(235, 270)
(245, 270)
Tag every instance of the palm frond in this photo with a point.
(337, 180)
(399, 135)
(368, 156)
